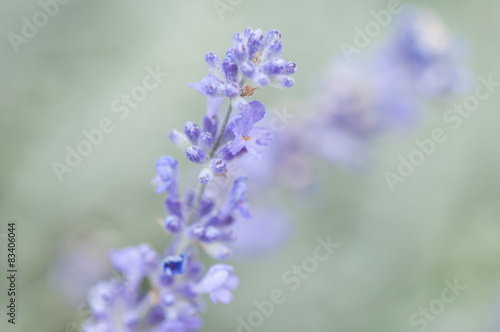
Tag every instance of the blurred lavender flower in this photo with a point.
(354, 105)
(357, 103)
(163, 292)
(427, 53)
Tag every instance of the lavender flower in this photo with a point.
(218, 282)
(168, 175)
(356, 105)
(246, 135)
(427, 53)
(163, 292)
(384, 93)
(254, 56)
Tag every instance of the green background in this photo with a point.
(396, 247)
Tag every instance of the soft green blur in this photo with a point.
(396, 247)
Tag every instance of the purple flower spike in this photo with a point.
(219, 281)
(164, 292)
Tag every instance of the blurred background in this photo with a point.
(397, 248)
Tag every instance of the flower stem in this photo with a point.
(212, 152)
(222, 129)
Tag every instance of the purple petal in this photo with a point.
(237, 145)
(222, 295)
(215, 280)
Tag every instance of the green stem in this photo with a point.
(212, 152)
(222, 129)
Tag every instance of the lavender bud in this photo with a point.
(180, 140)
(174, 206)
(240, 104)
(213, 88)
(210, 124)
(218, 166)
(213, 61)
(195, 154)
(247, 69)
(192, 132)
(240, 53)
(285, 82)
(211, 233)
(232, 90)
(204, 176)
(273, 50)
(261, 79)
(247, 32)
(173, 224)
(255, 42)
(274, 67)
(290, 68)
(206, 141)
(238, 38)
(197, 231)
(230, 70)
(225, 152)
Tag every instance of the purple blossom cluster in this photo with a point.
(163, 292)
(353, 105)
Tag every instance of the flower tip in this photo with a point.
(195, 154)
